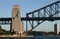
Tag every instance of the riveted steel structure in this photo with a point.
(50, 12)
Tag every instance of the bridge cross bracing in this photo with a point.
(50, 12)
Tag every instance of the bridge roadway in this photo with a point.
(9, 19)
(34, 18)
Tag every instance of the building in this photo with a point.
(56, 28)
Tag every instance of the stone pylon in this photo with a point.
(16, 20)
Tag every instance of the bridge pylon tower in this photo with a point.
(16, 20)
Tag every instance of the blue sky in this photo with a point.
(25, 7)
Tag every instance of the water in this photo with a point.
(36, 37)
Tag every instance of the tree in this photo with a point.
(0, 27)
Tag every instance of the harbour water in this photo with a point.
(35, 37)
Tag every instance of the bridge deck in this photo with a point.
(34, 18)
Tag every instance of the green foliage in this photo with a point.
(0, 27)
(3, 31)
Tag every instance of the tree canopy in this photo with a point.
(0, 27)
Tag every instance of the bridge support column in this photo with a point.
(11, 27)
(26, 26)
